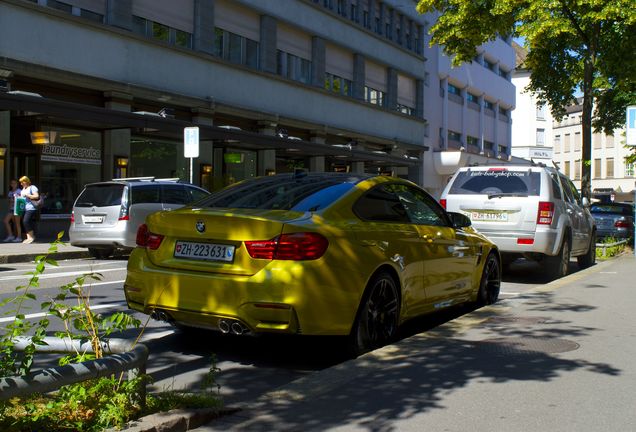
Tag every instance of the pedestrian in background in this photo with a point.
(32, 194)
(11, 216)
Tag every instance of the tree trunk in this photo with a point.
(586, 129)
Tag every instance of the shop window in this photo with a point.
(156, 158)
(66, 164)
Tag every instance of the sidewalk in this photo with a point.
(559, 358)
(18, 252)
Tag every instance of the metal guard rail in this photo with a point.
(604, 246)
(121, 356)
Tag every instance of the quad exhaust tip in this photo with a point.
(232, 326)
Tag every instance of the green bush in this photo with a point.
(606, 252)
(91, 405)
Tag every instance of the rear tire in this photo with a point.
(100, 253)
(378, 315)
(558, 265)
(589, 259)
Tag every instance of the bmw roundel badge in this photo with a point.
(200, 226)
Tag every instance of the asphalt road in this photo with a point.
(248, 366)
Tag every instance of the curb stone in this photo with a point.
(179, 420)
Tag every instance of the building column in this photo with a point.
(203, 117)
(116, 141)
(266, 159)
(421, 34)
(496, 130)
(5, 140)
(359, 77)
(318, 61)
(419, 98)
(203, 33)
(267, 46)
(482, 108)
(391, 89)
(444, 129)
(119, 13)
(317, 164)
(357, 167)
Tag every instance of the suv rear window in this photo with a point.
(497, 181)
(103, 195)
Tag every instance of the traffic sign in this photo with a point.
(191, 142)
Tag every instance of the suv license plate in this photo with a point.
(497, 217)
(204, 251)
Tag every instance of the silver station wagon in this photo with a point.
(532, 211)
(106, 215)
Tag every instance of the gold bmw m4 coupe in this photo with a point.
(313, 254)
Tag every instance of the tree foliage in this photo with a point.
(573, 46)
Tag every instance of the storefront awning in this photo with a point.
(105, 119)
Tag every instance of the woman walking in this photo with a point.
(14, 192)
(31, 193)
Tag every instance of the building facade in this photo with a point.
(538, 136)
(101, 89)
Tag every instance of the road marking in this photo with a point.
(54, 275)
(43, 314)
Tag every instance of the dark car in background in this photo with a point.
(614, 219)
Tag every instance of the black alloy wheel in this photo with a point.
(377, 321)
(490, 284)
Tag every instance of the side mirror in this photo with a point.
(459, 220)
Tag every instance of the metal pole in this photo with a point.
(191, 159)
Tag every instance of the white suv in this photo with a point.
(106, 215)
(532, 211)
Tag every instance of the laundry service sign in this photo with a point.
(71, 154)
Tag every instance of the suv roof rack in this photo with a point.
(149, 178)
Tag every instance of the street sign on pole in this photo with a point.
(630, 126)
(191, 144)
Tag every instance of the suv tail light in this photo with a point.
(123, 213)
(545, 213)
(72, 217)
(147, 239)
(443, 202)
(295, 247)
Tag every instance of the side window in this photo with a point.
(567, 189)
(380, 205)
(195, 194)
(174, 194)
(421, 208)
(556, 189)
(575, 193)
(145, 194)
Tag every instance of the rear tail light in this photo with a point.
(622, 223)
(123, 213)
(443, 202)
(545, 213)
(147, 239)
(525, 241)
(295, 247)
(72, 217)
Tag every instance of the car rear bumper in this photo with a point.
(274, 300)
(117, 237)
(540, 242)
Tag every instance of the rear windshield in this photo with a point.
(103, 195)
(497, 181)
(613, 209)
(283, 192)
